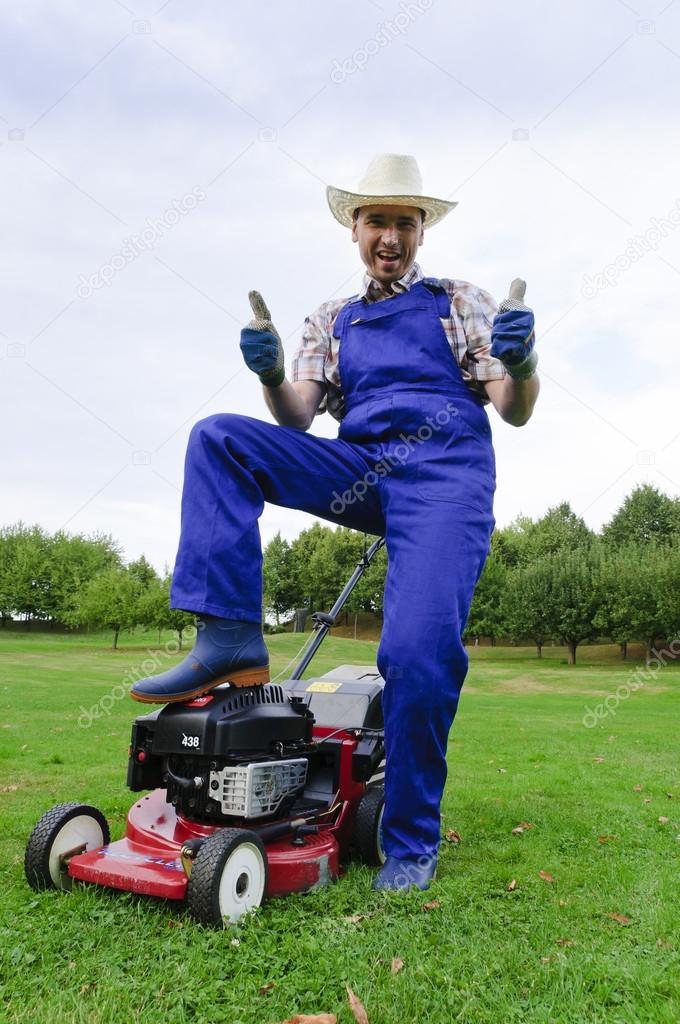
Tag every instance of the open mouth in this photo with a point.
(388, 257)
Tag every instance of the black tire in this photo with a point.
(62, 828)
(228, 877)
(368, 826)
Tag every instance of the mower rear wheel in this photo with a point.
(66, 829)
(368, 839)
(228, 877)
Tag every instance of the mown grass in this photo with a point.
(547, 951)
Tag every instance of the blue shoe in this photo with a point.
(226, 651)
(405, 874)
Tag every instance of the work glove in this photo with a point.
(512, 334)
(261, 344)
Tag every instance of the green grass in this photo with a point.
(545, 952)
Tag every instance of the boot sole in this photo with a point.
(240, 678)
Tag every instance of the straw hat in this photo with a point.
(392, 179)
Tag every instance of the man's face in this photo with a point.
(388, 239)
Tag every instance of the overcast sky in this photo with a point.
(209, 131)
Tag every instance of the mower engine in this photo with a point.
(230, 755)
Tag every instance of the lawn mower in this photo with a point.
(256, 792)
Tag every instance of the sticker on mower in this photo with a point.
(162, 862)
(323, 687)
(190, 741)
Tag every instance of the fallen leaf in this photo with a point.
(563, 903)
(432, 905)
(72, 965)
(664, 944)
(663, 820)
(647, 801)
(606, 839)
(526, 824)
(354, 918)
(511, 886)
(452, 836)
(637, 789)
(8, 789)
(503, 771)
(316, 1018)
(357, 1007)
(546, 959)
(397, 965)
(546, 876)
(565, 942)
(265, 989)
(611, 739)
(598, 760)
(620, 918)
(518, 830)
(669, 795)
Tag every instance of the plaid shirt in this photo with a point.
(467, 330)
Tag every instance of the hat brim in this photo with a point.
(343, 204)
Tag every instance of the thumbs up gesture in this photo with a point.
(512, 334)
(261, 345)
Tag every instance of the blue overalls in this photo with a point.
(413, 462)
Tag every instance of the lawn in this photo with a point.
(575, 919)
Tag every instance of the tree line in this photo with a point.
(552, 579)
(81, 581)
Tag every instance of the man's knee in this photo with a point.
(219, 425)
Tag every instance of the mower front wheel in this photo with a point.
(368, 837)
(62, 832)
(228, 877)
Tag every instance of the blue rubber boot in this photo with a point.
(406, 874)
(226, 651)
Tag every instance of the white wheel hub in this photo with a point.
(83, 830)
(241, 882)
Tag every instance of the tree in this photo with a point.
(525, 602)
(486, 612)
(24, 576)
(73, 561)
(560, 529)
(646, 515)
(305, 583)
(278, 577)
(110, 601)
(651, 597)
(618, 613)
(155, 610)
(143, 571)
(511, 541)
(575, 595)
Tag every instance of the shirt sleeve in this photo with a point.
(310, 357)
(477, 312)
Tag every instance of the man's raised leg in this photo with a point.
(233, 465)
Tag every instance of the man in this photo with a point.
(406, 366)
